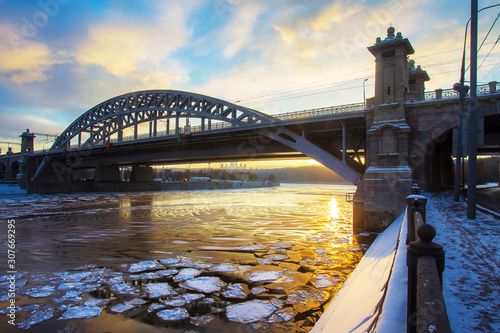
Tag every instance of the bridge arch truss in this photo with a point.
(130, 110)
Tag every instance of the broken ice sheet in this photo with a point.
(249, 312)
(226, 267)
(186, 274)
(277, 257)
(121, 307)
(69, 285)
(125, 289)
(204, 284)
(72, 296)
(36, 317)
(157, 290)
(40, 292)
(143, 266)
(156, 306)
(252, 248)
(202, 320)
(262, 275)
(234, 293)
(192, 297)
(73, 277)
(173, 314)
(81, 312)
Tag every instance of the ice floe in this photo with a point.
(143, 266)
(157, 290)
(176, 314)
(125, 289)
(81, 312)
(204, 284)
(186, 274)
(249, 312)
(36, 317)
(225, 267)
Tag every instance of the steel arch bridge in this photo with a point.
(111, 117)
(129, 110)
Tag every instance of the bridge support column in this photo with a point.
(107, 173)
(141, 173)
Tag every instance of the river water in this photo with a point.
(90, 261)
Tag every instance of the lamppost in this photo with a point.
(364, 94)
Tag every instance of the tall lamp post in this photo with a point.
(473, 108)
(364, 94)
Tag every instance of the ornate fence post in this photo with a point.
(425, 261)
(416, 204)
(493, 86)
(439, 93)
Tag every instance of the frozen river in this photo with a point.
(266, 259)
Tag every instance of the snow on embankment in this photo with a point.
(357, 306)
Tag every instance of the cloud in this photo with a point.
(23, 60)
(127, 47)
(239, 31)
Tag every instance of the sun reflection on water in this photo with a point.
(334, 209)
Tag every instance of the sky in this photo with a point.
(59, 58)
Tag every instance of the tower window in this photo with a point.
(388, 90)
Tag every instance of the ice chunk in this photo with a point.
(164, 273)
(72, 295)
(282, 316)
(125, 289)
(202, 320)
(143, 266)
(249, 312)
(157, 290)
(226, 267)
(74, 277)
(174, 302)
(252, 248)
(276, 256)
(304, 299)
(173, 314)
(192, 297)
(121, 307)
(259, 276)
(81, 312)
(96, 302)
(142, 276)
(169, 261)
(281, 246)
(204, 284)
(136, 301)
(186, 274)
(156, 306)
(36, 317)
(261, 261)
(40, 292)
(258, 290)
(234, 293)
(70, 285)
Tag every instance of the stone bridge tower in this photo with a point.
(388, 177)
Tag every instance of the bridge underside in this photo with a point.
(328, 141)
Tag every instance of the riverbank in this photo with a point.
(471, 283)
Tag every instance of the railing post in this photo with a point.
(439, 93)
(493, 86)
(416, 204)
(425, 261)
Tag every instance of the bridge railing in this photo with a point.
(223, 125)
(489, 88)
(320, 111)
(426, 310)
